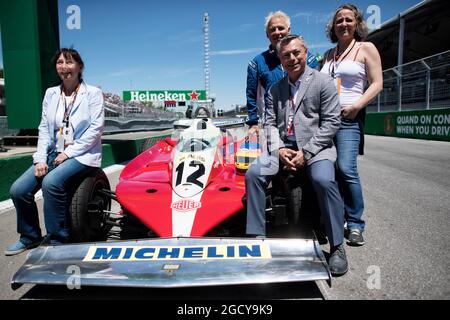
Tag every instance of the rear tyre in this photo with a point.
(87, 216)
(294, 196)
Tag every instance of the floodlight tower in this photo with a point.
(206, 52)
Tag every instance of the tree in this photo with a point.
(1, 73)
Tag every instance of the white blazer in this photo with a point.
(87, 117)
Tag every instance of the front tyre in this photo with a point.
(87, 211)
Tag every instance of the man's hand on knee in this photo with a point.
(299, 160)
(254, 129)
(286, 156)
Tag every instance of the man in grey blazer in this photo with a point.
(303, 115)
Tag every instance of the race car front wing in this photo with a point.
(175, 262)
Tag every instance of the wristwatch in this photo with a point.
(307, 155)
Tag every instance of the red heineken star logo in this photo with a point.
(194, 95)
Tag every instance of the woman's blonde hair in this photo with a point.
(361, 27)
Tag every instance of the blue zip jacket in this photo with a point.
(262, 73)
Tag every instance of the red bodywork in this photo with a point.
(145, 189)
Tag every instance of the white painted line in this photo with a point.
(7, 205)
(323, 288)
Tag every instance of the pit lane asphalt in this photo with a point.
(406, 185)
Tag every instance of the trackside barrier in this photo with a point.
(114, 151)
(421, 124)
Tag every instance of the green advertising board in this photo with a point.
(420, 124)
(163, 95)
(30, 38)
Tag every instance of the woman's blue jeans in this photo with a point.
(58, 186)
(347, 144)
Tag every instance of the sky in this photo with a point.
(158, 45)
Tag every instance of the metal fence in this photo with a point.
(417, 85)
(5, 130)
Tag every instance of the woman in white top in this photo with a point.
(69, 147)
(353, 64)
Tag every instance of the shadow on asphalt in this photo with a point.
(293, 290)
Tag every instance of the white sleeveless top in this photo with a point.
(353, 79)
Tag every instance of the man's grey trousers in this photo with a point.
(322, 175)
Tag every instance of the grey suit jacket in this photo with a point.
(316, 116)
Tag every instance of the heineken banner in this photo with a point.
(420, 124)
(164, 95)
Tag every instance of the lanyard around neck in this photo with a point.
(337, 58)
(68, 107)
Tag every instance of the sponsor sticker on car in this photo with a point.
(186, 205)
(145, 253)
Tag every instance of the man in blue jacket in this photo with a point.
(265, 69)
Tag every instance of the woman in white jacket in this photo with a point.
(69, 147)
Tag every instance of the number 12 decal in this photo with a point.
(192, 178)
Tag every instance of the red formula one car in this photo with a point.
(183, 203)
